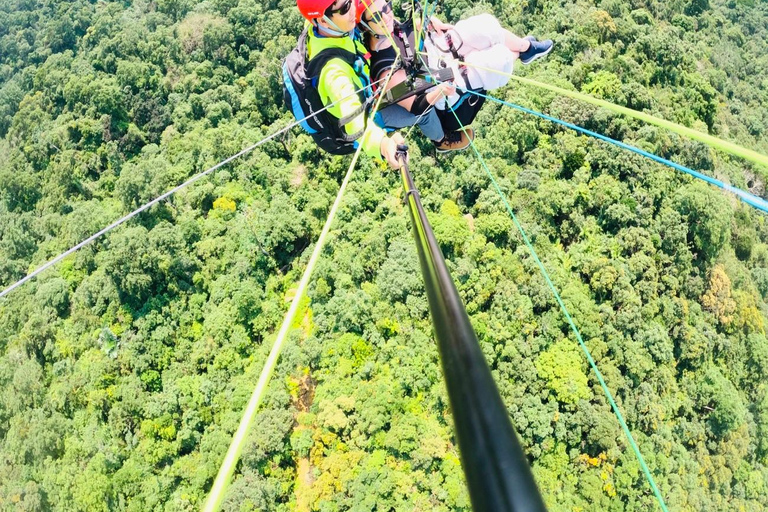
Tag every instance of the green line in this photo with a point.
(715, 142)
(568, 317)
(213, 503)
(413, 23)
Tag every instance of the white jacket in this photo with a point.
(480, 41)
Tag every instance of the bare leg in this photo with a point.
(515, 43)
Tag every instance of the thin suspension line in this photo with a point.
(227, 468)
(431, 107)
(751, 199)
(417, 33)
(148, 205)
(221, 483)
(570, 320)
(431, 13)
(715, 142)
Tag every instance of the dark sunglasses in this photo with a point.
(376, 15)
(344, 9)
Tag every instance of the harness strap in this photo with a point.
(409, 55)
(362, 109)
(455, 52)
(357, 63)
(423, 82)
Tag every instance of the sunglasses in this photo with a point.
(344, 9)
(376, 15)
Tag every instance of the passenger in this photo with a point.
(489, 51)
(379, 25)
(480, 42)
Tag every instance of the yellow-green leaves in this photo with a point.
(561, 367)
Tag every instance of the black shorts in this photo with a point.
(468, 107)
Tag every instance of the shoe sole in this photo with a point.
(449, 150)
(457, 149)
(537, 56)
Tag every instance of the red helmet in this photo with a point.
(312, 9)
(360, 6)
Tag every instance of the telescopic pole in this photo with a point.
(496, 469)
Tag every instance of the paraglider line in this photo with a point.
(751, 199)
(213, 503)
(715, 142)
(572, 324)
(148, 205)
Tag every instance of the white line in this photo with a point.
(164, 196)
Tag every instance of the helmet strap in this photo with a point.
(333, 30)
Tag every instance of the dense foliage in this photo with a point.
(124, 370)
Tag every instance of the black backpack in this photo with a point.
(303, 100)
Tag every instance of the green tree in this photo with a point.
(560, 366)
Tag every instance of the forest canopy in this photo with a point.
(125, 369)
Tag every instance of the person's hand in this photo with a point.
(389, 149)
(447, 88)
(438, 92)
(439, 26)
